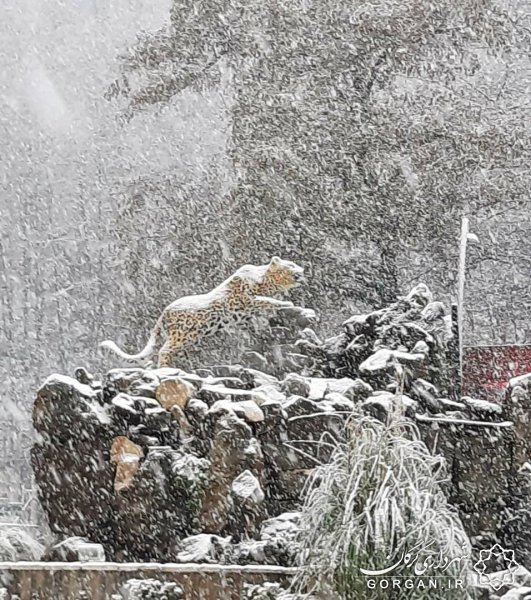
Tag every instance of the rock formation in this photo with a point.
(208, 465)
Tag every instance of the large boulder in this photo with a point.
(16, 544)
(276, 543)
(75, 549)
(234, 451)
(71, 458)
(204, 548)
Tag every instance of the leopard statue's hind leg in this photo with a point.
(176, 343)
(167, 353)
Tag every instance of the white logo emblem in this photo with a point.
(496, 580)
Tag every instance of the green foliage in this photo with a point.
(190, 478)
(379, 503)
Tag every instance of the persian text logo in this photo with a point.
(501, 578)
(422, 562)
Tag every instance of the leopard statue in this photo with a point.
(243, 295)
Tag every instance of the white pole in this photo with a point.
(461, 291)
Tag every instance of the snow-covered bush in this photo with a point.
(377, 504)
(151, 589)
(270, 591)
(266, 591)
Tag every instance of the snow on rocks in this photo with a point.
(353, 389)
(267, 393)
(174, 392)
(382, 404)
(70, 401)
(276, 543)
(482, 409)
(248, 504)
(336, 402)
(401, 349)
(125, 403)
(246, 488)
(284, 527)
(179, 454)
(16, 544)
(248, 409)
(428, 397)
(296, 384)
(203, 548)
(148, 458)
(75, 549)
(384, 360)
(212, 393)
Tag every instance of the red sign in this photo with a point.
(487, 369)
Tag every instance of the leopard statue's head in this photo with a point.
(282, 275)
(274, 278)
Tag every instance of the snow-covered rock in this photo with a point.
(75, 549)
(267, 392)
(203, 548)
(338, 402)
(294, 384)
(353, 389)
(384, 359)
(246, 489)
(16, 544)
(285, 527)
(271, 591)
(482, 408)
(276, 544)
(247, 409)
(382, 405)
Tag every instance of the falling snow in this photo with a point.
(150, 151)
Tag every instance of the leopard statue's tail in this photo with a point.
(144, 354)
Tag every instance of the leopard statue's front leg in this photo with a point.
(266, 303)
